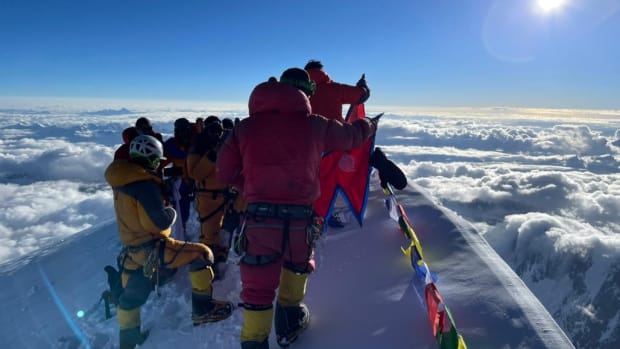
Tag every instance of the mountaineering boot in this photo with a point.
(388, 171)
(206, 309)
(290, 322)
(131, 337)
(129, 328)
(255, 345)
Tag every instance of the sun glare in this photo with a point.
(547, 6)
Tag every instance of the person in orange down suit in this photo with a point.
(212, 197)
(144, 225)
(273, 157)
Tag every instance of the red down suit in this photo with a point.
(273, 157)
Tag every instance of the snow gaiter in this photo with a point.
(292, 287)
(256, 326)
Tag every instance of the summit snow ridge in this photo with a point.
(361, 294)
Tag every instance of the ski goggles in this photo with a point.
(153, 161)
(307, 86)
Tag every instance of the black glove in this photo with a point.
(389, 172)
(362, 83)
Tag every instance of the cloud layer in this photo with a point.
(544, 189)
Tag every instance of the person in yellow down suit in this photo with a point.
(144, 230)
(213, 198)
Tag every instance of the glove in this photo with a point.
(362, 83)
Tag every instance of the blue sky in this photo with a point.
(414, 53)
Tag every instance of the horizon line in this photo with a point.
(20, 102)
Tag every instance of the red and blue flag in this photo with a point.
(346, 173)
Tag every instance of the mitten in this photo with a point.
(362, 83)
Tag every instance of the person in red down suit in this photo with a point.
(330, 96)
(328, 100)
(273, 157)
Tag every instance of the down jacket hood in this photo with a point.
(140, 213)
(274, 97)
(123, 172)
(274, 155)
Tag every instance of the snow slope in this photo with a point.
(362, 294)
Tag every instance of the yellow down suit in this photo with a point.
(144, 226)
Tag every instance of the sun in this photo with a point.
(547, 6)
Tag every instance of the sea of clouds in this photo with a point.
(542, 186)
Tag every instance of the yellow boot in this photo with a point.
(291, 316)
(256, 326)
(204, 307)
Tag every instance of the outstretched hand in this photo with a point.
(362, 82)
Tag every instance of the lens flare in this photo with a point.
(63, 310)
(547, 6)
